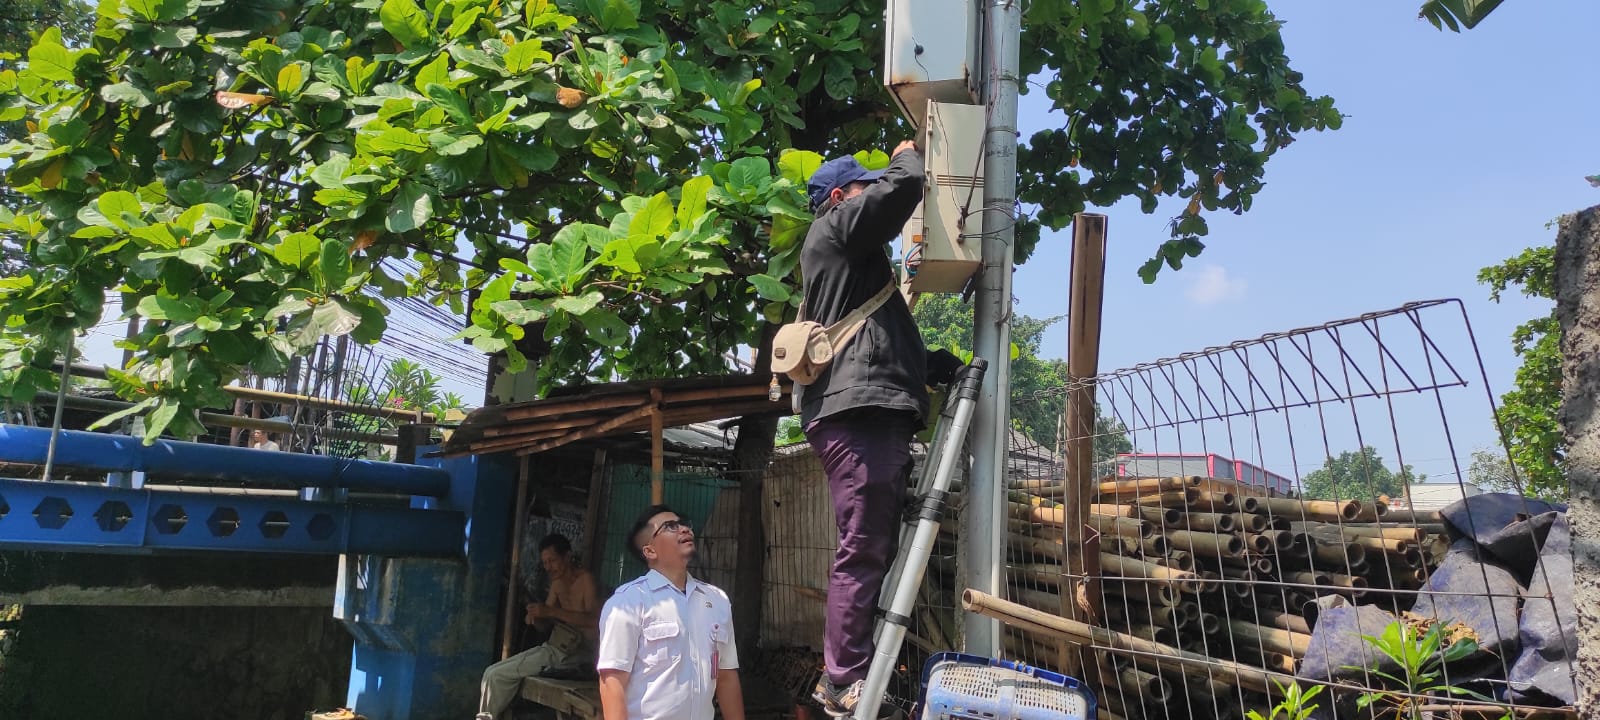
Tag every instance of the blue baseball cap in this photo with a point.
(837, 173)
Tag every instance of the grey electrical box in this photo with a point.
(942, 244)
(931, 54)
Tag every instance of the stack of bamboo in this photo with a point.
(1213, 567)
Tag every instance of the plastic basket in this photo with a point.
(957, 686)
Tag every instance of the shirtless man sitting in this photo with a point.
(573, 611)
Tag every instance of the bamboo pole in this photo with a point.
(1340, 555)
(1359, 531)
(1212, 522)
(1176, 499)
(1407, 516)
(1159, 616)
(1120, 566)
(1323, 510)
(1206, 544)
(1154, 546)
(1143, 592)
(1072, 630)
(1180, 559)
(1149, 685)
(1146, 485)
(1276, 640)
(1168, 517)
(1217, 501)
(1250, 522)
(1280, 620)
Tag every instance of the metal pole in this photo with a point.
(984, 519)
(61, 402)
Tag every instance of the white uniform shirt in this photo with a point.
(670, 643)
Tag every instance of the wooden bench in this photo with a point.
(580, 699)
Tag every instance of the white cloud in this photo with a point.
(1211, 285)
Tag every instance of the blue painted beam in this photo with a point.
(219, 463)
(98, 518)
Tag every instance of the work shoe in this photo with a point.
(838, 701)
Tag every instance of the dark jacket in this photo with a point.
(844, 263)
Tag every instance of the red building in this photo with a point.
(1203, 464)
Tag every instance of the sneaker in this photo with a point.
(484, 716)
(827, 696)
(839, 702)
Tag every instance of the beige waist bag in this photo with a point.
(803, 349)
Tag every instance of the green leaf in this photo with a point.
(148, 10)
(743, 93)
(297, 250)
(334, 264)
(121, 208)
(451, 101)
(113, 418)
(406, 22)
(521, 57)
(125, 92)
(872, 160)
(290, 79)
(173, 37)
(51, 61)
(411, 209)
(434, 73)
(359, 73)
(158, 420)
(770, 288)
(395, 140)
(171, 309)
(373, 323)
(577, 304)
(749, 173)
(569, 257)
(620, 15)
(654, 220)
(797, 166)
(331, 319)
(692, 204)
(330, 174)
(605, 327)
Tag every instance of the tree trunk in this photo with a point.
(751, 453)
(1578, 311)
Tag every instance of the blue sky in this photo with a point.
(1456, 153)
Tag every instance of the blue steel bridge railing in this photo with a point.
(107, 517)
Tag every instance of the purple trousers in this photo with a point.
(867, 455)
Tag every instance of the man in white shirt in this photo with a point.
(666, 639)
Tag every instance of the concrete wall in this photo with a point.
(133, 663)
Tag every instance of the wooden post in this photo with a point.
(1080, 544)
(658, 474)
(591, 513)
(519, 525)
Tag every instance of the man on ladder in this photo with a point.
(863, 408)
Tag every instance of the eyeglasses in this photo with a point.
(672, 526)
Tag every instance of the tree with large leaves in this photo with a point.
(1454, 14)
(597, 176)
(1529, 410)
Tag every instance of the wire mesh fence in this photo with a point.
(1289, 513)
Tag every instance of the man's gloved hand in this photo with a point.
(942, 367)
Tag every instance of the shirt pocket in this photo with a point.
(659, 645)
